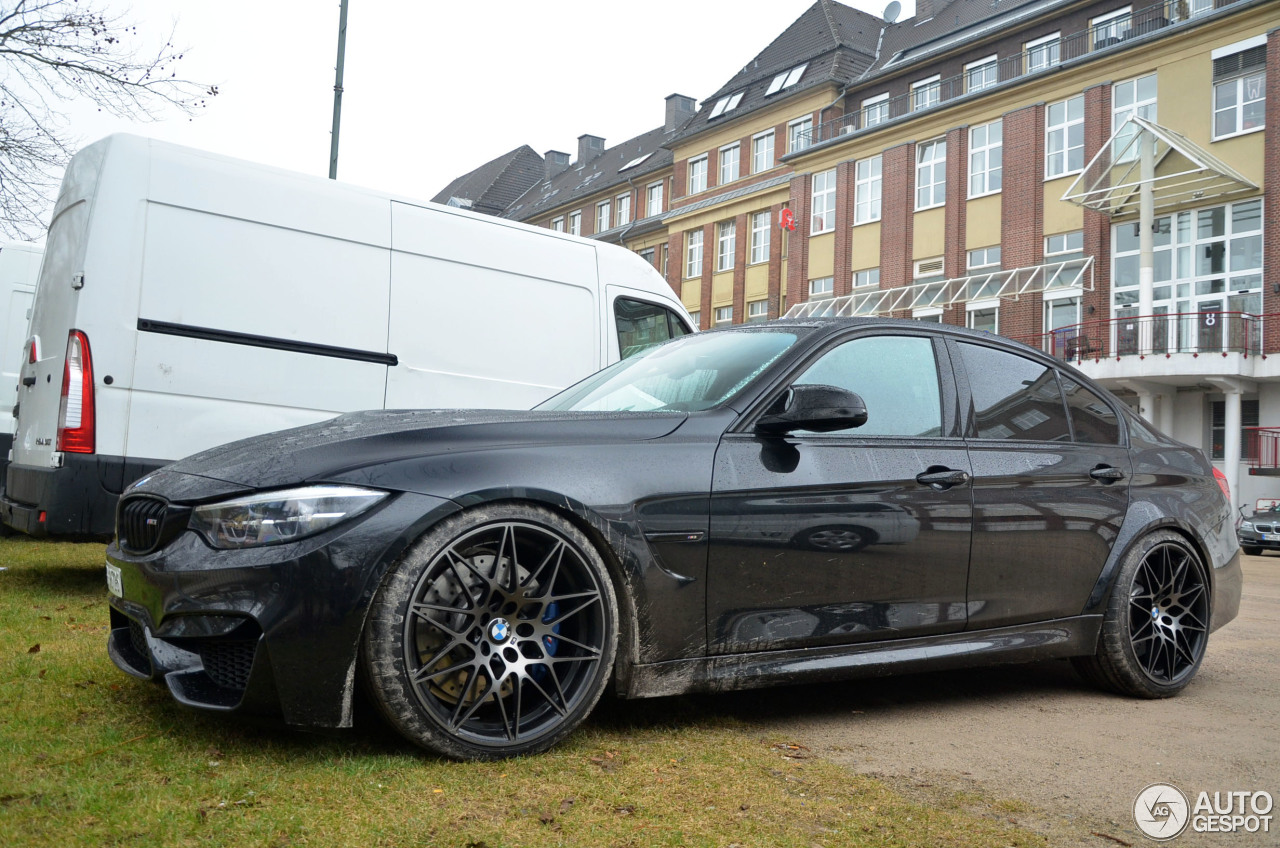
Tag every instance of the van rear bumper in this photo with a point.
(76, 500)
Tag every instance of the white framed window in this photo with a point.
(724, 315)
(1063, 246)
(726, 104)
(729, 156)
(604, 212)
(726, 244)
(984, 258)
(557, 224)
(1064, 137)
(1111, 28)
(926, 93)
(866, 192)
(762, 152)
(693, 254)
(575, 223)
(928, 314)
(981, 74)
(697, 174)
(1131, 97)
(696, 315)
(931, 173)
(822, 287)
(786, 79)
(624, 210)
(866, 279)
(1240, 88)
(823, 217)
(761, 230)
(798, 134)
(983, 316)
(1043, 53)
(875, 110)
(986, 158)
(758, 310)
(653, 199)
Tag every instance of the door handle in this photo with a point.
(1107, 474)
(942, 478)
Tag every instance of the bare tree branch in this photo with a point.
(54, 52)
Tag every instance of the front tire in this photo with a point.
(1156, 626)
(1252, 551)
(494, 635)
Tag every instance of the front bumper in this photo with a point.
(274, 629)
(1255, 540)
(76, 499)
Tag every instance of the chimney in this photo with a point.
(554, 162)
(589, 147)
(679, 110)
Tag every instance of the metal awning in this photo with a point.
(1184, 172)
(1073, 273)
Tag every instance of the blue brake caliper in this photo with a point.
(550, 643)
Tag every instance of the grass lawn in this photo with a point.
(90, 756)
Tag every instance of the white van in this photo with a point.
(189, 299)
(19, 269)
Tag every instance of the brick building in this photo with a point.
(1090, 177)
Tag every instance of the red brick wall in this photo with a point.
(1097, 226)
(708, 263)
(844, 228)
(1271, 200)
(1022, 213)
(742, 236)
(954, 256)
(897, 215)
(675, 261)
(775, 261)
(798, 260)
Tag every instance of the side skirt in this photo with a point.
(1065, 637)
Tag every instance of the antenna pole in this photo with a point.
(337, 92)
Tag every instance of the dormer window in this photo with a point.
(786, 79)
(726, 104)
(636, 161)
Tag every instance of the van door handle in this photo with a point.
(942, 478)
(28, 381)
(1107, 474)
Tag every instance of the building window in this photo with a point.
(982, 317)
(786, 79)
(726, 242)
(926, 93)
(758, 310)
(575, 223)
(822, 287)
(870, 278)
(984, 258)
(1064, 137)
(604, 211)
(1131, 97)
(557, 224)
(1239, 88)
(1064, 246)
(724, 315)
(866, 193)
(662, 263)
(931, 173)
(648, 255)
(693, 254)
(1248, 418)
(697, 319)
(624, 210)
(760, 232)
(729, 163)
(1111, 28)
(1043, 52)
(875, 110)
(823, 219)
(698, 174)
(726, 104)
(653, 200)
(798, 134)
(986, 156)
(981, 74)
(762, 152)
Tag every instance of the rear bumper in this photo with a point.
(76, 500)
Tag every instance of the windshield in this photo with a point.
(691, 373)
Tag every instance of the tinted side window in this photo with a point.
(642, 325)
(1093, 419)
(1014, 397)
(897, 378)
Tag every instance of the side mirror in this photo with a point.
(822, 409)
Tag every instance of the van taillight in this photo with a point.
(75, 414)
(1223, 485)
(33, 352)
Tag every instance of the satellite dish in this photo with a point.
(892, 11)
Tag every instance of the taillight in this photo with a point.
(75, 414)
(33, 350)
(1223, 485)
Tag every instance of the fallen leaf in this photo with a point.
(566, 804)
(626, 810)
(34, 649)
(546, 818)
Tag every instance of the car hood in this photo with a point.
(326, 450)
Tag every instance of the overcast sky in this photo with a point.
(434, 89)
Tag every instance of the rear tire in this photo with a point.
(494, 635)
(1156, 626)
(1252, 551)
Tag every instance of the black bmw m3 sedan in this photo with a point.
(767, 504)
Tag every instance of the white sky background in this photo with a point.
(433, 89)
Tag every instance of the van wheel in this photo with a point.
(1252, 551)
(1156, 626)
(494, 635)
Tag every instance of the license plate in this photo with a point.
(113, 581)
(1271, 537)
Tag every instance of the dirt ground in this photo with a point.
(1037, 745)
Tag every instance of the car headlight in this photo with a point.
(1246, 525)
(282, 516)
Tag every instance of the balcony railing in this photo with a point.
(1196, 333)
(1038, 59)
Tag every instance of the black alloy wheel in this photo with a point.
(495, 636)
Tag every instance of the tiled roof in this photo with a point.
(953, 23)
(495, 185)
